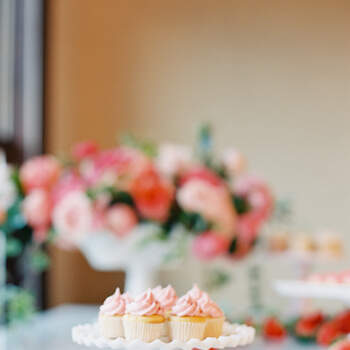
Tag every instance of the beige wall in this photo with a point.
(273, 77)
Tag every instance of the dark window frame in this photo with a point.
(24, 78)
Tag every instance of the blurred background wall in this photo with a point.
(272, 76)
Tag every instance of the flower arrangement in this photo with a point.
(121, 188)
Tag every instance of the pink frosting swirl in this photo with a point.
(167, 297)
(156, 291)
(208, 307)
(195, 293)
(186, 306)
(145, 305)
(114, 305)
(128, 299)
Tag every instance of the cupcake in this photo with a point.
(215, 316)
(167, 298)
(186, 320)
(144, 318)
(111, 314)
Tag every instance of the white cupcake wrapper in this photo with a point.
(184, 331)
(111, 326)
(233, 335)
(144, 331)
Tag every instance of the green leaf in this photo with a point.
(16, 180)
(40, 260)
(194, 222)
(233, 246)
(20, 305)
(13, 247)
(216, 278)
(241, 204)
(121, 197)
(145, 146)
(204, 145)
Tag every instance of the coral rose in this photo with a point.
(36, 209)
(153, 195)
(120, 219)
(210, 245)
(72, 218)
(211, 201)
(39, 172)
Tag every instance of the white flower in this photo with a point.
(173, 159)
(234, 161)
(8, 191)
(72, 218)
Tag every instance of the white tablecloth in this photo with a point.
(51, 330)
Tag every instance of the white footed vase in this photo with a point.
(140, 254)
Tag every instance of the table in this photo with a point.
(51, 330)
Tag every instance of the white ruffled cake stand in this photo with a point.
(233, 336)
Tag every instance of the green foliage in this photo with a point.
(121, 197)
(241, 204)
(13, 247)
(39, 260)
(20, 305)
(194, 222)
(145, 146)
(205, 145)
(17, 182)
(216, 278)
(233, 246)
(15, 220)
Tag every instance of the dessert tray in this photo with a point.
(307, 289)
(233, 335)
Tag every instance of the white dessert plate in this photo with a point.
(305, 289)
(233, 335)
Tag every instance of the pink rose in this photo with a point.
(153, 195)
(258, 195)
(210, 245)
(248, 227)
(69, 182)
(84, 149)
(173, 159)
(119, 165)
(121, 219)
(204, 174)
(39, 172)
(211, 201)
(36, 209)
(72, 218)
(233, 161)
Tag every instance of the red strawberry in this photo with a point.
(328, 333)
(343, 344)
(273, 329)
(304, 328)
(315, 318)
(343, 320)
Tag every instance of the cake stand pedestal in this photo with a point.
(140, 254)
